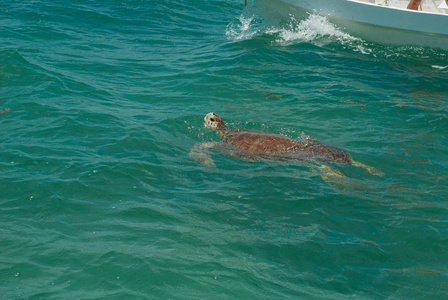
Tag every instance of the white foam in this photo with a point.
(313, 28)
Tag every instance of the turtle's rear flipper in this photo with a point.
(199, 153)
(369, 169)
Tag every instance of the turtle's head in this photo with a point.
(214, 121)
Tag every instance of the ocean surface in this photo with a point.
(102, 101)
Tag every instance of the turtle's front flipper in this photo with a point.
(332, 176)
(329, 172)
(369, 169)
(199, 153)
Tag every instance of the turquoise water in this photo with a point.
(102, 101)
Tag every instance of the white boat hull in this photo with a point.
(371, 22)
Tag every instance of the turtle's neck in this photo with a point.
(220, 132)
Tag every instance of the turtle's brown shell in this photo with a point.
(270, 146)
(263, 142)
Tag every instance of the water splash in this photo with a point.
(305, 139)
(244, 27)
(312, 29)
(315, 29)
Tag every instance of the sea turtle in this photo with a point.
(256, 146)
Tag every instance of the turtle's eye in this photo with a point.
(212, 119)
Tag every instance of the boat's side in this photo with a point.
(369, 21)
